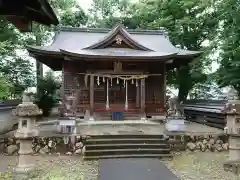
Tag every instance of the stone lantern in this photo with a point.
(26, 113)
(68, 120)
(175, 119)
(231, 110)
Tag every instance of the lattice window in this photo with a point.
(84, 96)
(70, 81)
(99, 96)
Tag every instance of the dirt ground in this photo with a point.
(53, 168)
(200, 166)
(187, 166)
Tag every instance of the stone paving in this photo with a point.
(143, 128)
(134, 169)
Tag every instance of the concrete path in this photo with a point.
(134, 169)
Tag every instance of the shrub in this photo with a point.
(46, 95)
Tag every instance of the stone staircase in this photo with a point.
(126, 115)
(131, 115)
(105, 116)
(126, 146)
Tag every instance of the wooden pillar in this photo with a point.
(143, 115)
(164, 74)
(91, 97)
(137, 96)
(126, 95)
(107, 101)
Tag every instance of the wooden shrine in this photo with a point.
(114, 70)
(22, 13)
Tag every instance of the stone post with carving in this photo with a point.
(232, 129)
(175, 119)
(26, 113)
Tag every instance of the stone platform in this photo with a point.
(196, 137)
(140, 127)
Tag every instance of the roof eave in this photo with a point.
(37, 51)
(77, 55)
(49, 12)
(189, 56)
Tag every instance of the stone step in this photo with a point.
(104, 152)
(124, 141)
(128, 136)
(126, 146)
(129, 156)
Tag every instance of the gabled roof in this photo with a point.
(118, 32)
(22, 13)
(84, 43)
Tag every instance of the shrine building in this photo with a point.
(114, 70)
(23, 13)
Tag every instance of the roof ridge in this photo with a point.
(161, 31)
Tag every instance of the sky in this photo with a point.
(85, 4)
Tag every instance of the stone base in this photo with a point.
(232, 166)
(143, 119)
(91, 118)
(23, 172)
(24, 169)
(25, 133)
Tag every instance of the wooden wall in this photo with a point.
(155, 88)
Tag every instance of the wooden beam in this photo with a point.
(123, 74)
(23, 24)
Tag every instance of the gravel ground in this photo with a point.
(187, 166)
(200, 166)
(55, 168)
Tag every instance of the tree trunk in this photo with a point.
(39, 66)
(184, 82)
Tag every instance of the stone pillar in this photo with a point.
(231, 110)
(91, 97)
(142, 86)
(27, 112)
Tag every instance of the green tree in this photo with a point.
(19, 72)
(46, 97)
(107, 13)
(70, 13)
(4, 88)
(190, 23)
(228, 42)
(9, 38)
(207, 90)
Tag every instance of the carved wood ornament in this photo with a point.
(118, 40)
(117, 66)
